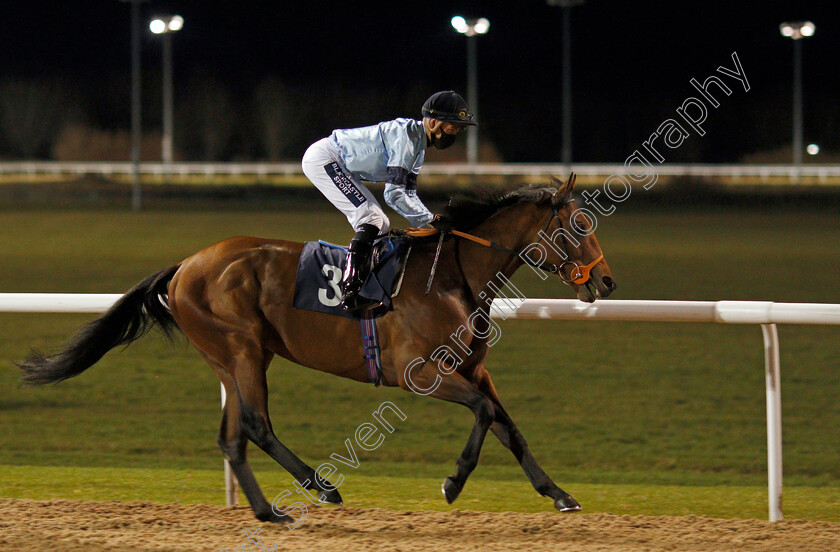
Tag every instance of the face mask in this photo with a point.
(444, 141)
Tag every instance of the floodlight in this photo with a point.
(157, 26)
(460, 24)
(169, 24)
(176, 23)
(797, 29)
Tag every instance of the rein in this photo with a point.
(579, 274)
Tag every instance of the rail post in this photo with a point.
(231, 484)
(772, 377)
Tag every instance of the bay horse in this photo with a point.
(233, 301)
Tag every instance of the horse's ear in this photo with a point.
(564, 189)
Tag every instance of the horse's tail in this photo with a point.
(131, 317)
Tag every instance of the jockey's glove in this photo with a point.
(442, 223)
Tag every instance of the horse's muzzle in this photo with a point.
(597, 287)
(609, 286)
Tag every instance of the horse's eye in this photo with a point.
(579, 228)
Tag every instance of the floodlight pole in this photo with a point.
(472, 97)
(166, 26)
(136, 119)
(471, 29)
(566, 128)
(566, 152)
(166, 141)
(797, 30)
(797, 107)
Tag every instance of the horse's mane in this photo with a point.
(467, 210)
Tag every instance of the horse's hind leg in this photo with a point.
(508, 434)
(233, 441)
(245, 416)
(252, 391)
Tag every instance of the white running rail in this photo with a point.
(765, 313)
(821, 172)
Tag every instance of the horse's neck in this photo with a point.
(486, 269)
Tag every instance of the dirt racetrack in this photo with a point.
(64, 525)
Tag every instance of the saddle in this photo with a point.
(322, 264)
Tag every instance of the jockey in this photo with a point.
(390, 152)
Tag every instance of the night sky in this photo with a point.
(632, 62)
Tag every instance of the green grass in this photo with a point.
(416, 493)
(629, 417)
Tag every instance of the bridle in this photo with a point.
(578, 274)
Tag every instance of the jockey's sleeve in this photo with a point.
(401, 196)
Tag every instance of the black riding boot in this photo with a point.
(356, 271)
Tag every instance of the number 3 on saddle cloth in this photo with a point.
(317, 286)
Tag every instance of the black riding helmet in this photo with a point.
(449, 106)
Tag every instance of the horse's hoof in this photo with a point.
(567, 504)
(330, 497)
(325, 496)
(273, 517)
(450, 490)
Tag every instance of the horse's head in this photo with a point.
(571, 247)
(553, 235)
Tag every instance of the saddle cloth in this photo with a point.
(317, 286)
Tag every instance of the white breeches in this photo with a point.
(322, 164)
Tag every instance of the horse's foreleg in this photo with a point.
(508, 434)
(468, 460)
(455, 388)
(252, 392)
